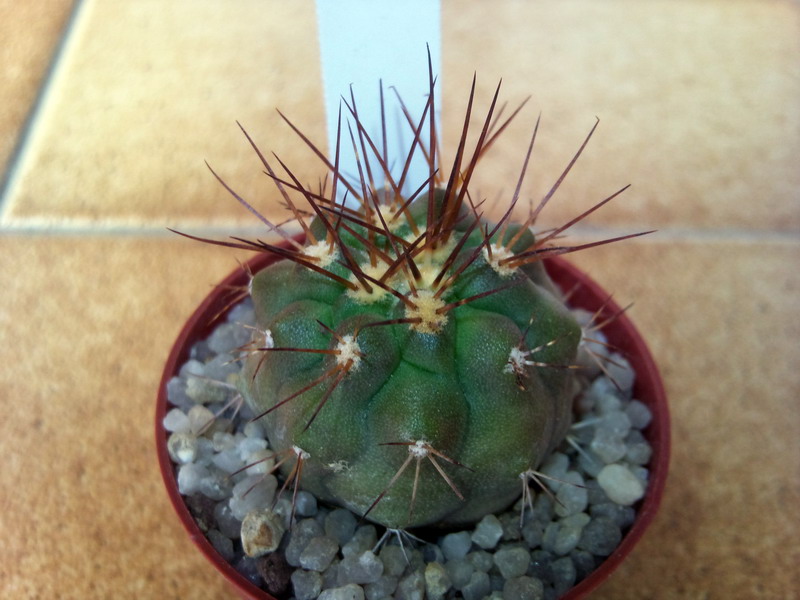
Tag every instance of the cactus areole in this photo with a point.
(413, 358)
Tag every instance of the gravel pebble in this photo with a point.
(248, 569)
(306, 505)
(318, 553)
(523, 588)
(584, 563)
(364, 538)
(301, 534)
(433, 553)
(533, 532)
(460, 571)
(479, 586)
(540, 567)
(394, 560)
(512, 562)
(554, 468)
(639, 414)
(600, 537)
(228, 524)
(350, 591)
(411, 587)
(623, 516)
(360, 568)
(252, 493)
(275, 573)
(262, 531)
(340, 524)
(176, 421)
(221, 543)
(176, 394)
(306, 585)
(456, 545)
(620, 484)
(571, 497)
(481, 561)
(569, 533)
(190, 476)
(437, 581)
(332, 557)
(608, 400)
(621, 373)
(383, 588)
(182, 447)
(563, 574)
(488, 532)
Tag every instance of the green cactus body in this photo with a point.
(416, 358)
(415, 409)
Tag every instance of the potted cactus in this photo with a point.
(410, 360)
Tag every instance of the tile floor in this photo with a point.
(108, 109)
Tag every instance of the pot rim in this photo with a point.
(648, 388)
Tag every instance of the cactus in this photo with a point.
(415, 361)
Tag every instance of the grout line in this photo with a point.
(32, 119)
(128, 229)
(222, 230)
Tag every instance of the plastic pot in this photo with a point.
(587, 294)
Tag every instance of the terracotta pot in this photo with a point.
(588, 295)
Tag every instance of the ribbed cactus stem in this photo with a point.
(410, 322)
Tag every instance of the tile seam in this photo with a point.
(32, 118)
(222, 230)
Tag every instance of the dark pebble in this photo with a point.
(533, 532)
(432, 553)
(275, 573)
(564, 574)
(200, 351)
(540, 566)
(202, 508)
(247, 567)
(550, 593)
(623, 516)
(595, 493)
(600, 537)
(584, 563)
(510, 523)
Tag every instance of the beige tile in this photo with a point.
(148, 90)
(699, 104)
(720, 320)
(86, 324)
(30, 32)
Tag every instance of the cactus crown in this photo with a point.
(408, 321)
